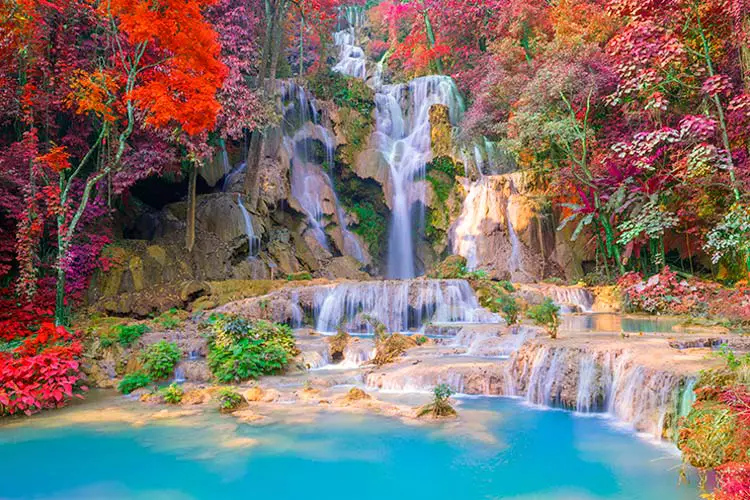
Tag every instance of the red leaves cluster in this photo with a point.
(43, 371)
(733, 482)
(182, 75)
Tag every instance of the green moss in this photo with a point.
(356, 102)
(370, 226)
(372, 214)
(357, 129)
(446, 165)
(344, 91)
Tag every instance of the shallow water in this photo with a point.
(606, 322)
(500, 449)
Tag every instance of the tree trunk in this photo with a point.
(60, 310)
(251, 187)
(431, 39)
(252, 162)
(190, 233)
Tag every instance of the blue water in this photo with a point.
(524, 454)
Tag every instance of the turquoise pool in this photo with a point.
(502, 450)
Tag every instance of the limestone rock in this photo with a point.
(440, 130)
(254, 394)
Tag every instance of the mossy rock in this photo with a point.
(454, 266)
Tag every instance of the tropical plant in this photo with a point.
(173, 394)
(546, 314)
(440, 406)
(240, 349)
(159, 359)
(133, 381)
(508, 308)
(229, 399)
(127, 334)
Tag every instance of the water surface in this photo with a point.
(502, 449)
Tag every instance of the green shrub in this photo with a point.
(173, 394)
(508, 308)
(546, 314)
(420, 339)
(160, 359)
(440, 405)
(133, 381)
(126, 335)
(229, 399)
(505, 285)
(240, 349)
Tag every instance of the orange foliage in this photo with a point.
(183, 72)
(91, 92)
(57, 159)
(580, 21)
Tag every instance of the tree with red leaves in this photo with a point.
(158, 67)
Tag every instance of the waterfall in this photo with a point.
(403, 138)
(297, 313)
(252, 240)
(351, 57)
(515, 247)
(399, 305)
(311, 185)
(587, 395)
(488, 209)
(687, 398)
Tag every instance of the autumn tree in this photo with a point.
(147, 66)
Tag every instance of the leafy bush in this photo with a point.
(40, 367)
(133, 381)
(126, 335)
(420, 339)
(240, 349)
(160, 359)
(716, 432)
(508, 308)
(733, 481)
(229, 399)
(546, 314)
(173, 394)
(440, 405)
(505, 285)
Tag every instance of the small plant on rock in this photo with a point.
(508, 308)
(127, 334)
(546, 314)
(171, 319)
(440, 406)
(133, 381)
(160, 359)
(173, 394)
(229, 399)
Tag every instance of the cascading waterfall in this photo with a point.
(586, 397)
(399, 305)
(479, 208)
(252, 240)
(515, 246)
(403, 138)
(402, 135)
(351, 57)
(310, 184)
